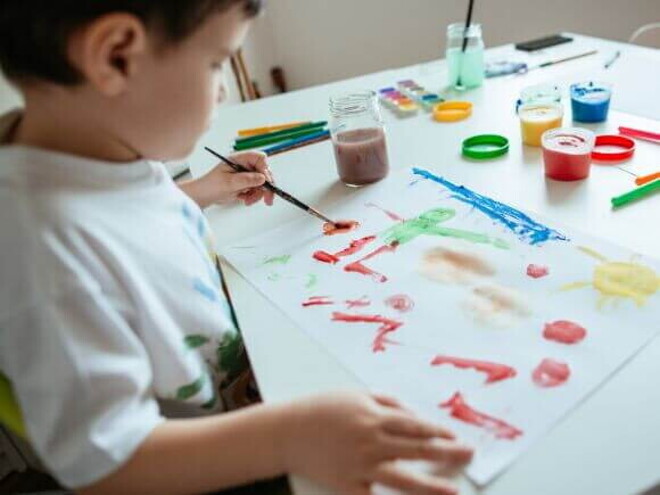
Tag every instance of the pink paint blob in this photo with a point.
(317, 301)
(551, 373)
(495, 372)
(537, 271)
(387, 325)
(564, 332)
(460, 410)
(400, 302)
(390, 215)
(357, 303)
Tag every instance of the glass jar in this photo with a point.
(358, 137)
(465, 68)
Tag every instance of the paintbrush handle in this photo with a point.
(272, 187)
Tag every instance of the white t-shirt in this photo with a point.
(110, 306)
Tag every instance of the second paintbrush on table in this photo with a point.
(271, 187)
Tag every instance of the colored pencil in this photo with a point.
(298, 145)
(645, 179)
(271, 128)
(288, 130)
(297, 142)
(278, 138)
(271, 187)
(636, 194)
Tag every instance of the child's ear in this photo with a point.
(108, 50)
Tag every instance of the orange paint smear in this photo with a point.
(340, 227)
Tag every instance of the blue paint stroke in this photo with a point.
(527, 229)
(206, 291)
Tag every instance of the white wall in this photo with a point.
(318, 41)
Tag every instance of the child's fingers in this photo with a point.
(245, 180)
(269, 197)
(253, 196)
(421, 484)
(444, 451)
(412, 427)
(255, 160)
(387, 401)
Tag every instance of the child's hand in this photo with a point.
(230, 186)
(349, 441)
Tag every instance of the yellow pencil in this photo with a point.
(263, 130)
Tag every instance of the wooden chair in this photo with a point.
(244, 81)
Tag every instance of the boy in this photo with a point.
(112, 316)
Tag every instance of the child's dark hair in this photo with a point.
(34, 33)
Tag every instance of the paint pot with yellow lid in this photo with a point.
(452, 111)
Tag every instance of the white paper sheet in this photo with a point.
(473, 299)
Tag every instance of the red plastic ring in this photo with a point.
(627, 144)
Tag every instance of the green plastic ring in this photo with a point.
(484, 146)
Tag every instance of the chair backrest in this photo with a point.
(10, 412)
(647, 35)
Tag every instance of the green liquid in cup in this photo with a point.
(471, 67)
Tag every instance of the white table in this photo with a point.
(611, 443)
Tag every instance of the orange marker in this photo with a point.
(263, 130)
(647, 178)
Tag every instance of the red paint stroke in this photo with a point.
(324, 257)
(495, 371)
(400, 302)
(460, 410)
(340, 227)
(359, 267)
(352, 248)
(391, 215)
(537, 271)
(356, 246)
(551, 373)
(564, 331)
(357, 303)
(387, 326)
(317, 301)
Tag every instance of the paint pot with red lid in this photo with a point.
(613, 148)
(567, 153)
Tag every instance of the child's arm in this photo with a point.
(223, 185)
(346, 441)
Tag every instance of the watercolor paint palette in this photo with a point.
(400, 104)
(426, 99)
(503, 321)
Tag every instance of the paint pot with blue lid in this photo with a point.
(590, 101)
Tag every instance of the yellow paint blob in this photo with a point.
(619, 280)
(626, 280)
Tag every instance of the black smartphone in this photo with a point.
(539, 43)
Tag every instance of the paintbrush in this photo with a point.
(271, 187)
(468, 22)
